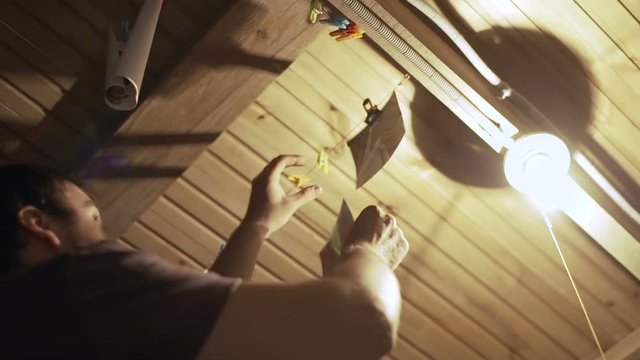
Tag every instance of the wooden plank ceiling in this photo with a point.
(52, 64)
(483, 279)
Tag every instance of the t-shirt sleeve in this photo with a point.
(135, 305)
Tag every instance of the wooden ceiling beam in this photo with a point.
(627, 348)
(219, 77)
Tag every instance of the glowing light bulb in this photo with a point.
(537, 165)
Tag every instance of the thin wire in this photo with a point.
(575, 288)
(330, 151)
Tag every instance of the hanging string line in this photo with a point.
(356, 128)
(575, 288)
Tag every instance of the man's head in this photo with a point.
(43, 213)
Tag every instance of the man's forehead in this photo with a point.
(74, 193)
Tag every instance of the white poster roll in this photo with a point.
(126, 61)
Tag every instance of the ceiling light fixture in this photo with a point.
(537, 165)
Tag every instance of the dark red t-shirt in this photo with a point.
(108, 302)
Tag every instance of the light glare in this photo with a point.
(537, 165)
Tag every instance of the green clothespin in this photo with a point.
(316, 10)
(322, 161)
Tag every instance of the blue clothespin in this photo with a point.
(336, 20)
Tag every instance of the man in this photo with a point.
(67, 292)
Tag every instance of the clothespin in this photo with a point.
(322, 161)
(351, 31)
(299, 180)
(316, 10)
(372, 111)
(348, 30)
(336, 20)
(357, 35)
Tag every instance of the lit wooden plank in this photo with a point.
(294, 234)
(621, 27)
(482, 98)
(419, 223)
(397, 27)
(420, 296)
(201, 175)
(611, 70)
(478, 224)
(633, 7)
(521, 42)
(610, 124)
(617, 73)
(569, 96)
(201, 97)
(161, 218)
(603, 228)
(176, 229)
(512, 241)
(145, 239)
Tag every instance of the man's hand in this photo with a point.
(378, 232)
(269, 205)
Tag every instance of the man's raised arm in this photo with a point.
(269, 209)
(351, 314)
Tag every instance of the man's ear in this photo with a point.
(37, 224)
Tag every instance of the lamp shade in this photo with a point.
(537, 164)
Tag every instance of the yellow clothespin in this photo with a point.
(316, 9)
(299, 180)
(358, 35)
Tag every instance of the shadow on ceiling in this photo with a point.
(451, 147)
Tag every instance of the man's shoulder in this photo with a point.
(101, 247)
(111, 262)
(111, 255)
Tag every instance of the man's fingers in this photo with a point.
(306, 195)
(275, 168)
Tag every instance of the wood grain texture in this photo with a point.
(52, 73)
(482, 279)
(215, 90)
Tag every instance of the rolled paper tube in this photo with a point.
(127, 61)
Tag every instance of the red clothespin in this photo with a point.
(351, 31)
(348, 30)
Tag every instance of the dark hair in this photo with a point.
(23, 185)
